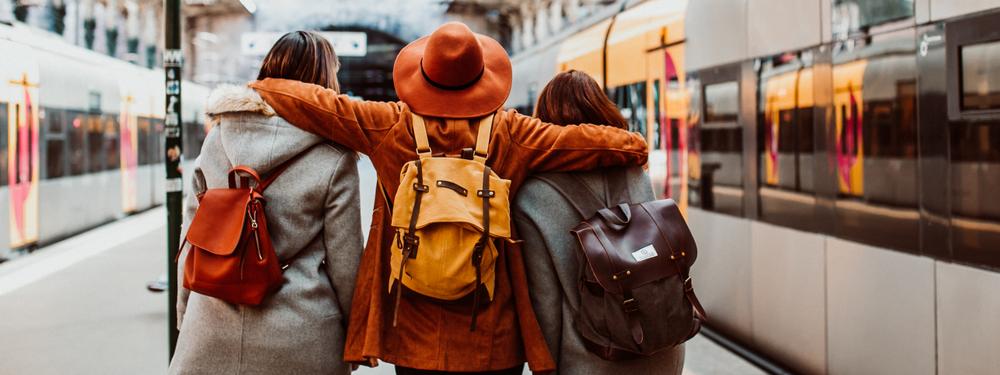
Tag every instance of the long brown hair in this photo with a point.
(573, 97)
(303, 56)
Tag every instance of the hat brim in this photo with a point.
(483, 97)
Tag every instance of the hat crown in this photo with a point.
(454, 57)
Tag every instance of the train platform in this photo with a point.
(80, 306)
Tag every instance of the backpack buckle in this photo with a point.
(630, 305)
(410, 244)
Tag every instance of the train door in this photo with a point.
(19, 80)
(670, 137)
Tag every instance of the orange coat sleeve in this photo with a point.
(546, 147)
(358, 125)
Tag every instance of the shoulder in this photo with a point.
(228, 100)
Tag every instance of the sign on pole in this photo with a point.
(345, 43)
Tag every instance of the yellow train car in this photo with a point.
(637, 56)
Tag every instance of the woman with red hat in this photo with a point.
(452, 77)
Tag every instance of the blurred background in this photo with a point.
(838, 161)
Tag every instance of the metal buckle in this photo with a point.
(410, 245)
(630, 305)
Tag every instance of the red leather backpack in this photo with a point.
(231, 256)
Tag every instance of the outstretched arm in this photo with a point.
(358, 125)
(549, 147)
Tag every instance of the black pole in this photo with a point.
(173, 60)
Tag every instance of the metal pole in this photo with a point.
(173, 61)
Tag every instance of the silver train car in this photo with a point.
(80, 137)
(838, 161)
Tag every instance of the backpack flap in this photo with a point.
(452, 186)
(218, 224)
(629, 251)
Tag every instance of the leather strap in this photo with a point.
(683, 272)
(420, 136)
(271, 177)
(482, 244)
(622, 276)
(235, 172)
(410, 241)
(483, 139)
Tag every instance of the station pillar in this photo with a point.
(173, 61)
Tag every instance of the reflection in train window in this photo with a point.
(55, 144)
(785, 142)
(981, 76)
(717, 181)
(112, 152)
(3, 144)
(975, 175)
(631, 101)
(722, 101)
(852, 16)
(874, 142)
(77, 143)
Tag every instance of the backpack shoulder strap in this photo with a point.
(585, 204)
(282, 167)
(483, 138)
(420, 135)
(616, 187)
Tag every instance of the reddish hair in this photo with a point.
(573, 97)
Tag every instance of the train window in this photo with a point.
(980, 76)
(852, 16)
(112, 152)
(55, 160)
(722, 101)
(144, 141)
(717, 175)
(631, 101)
(194, 136)
(54, 121)
(3, 144)
(55, 144)
(95, 143)
(77, 143)
(874, 141)
(785, 142)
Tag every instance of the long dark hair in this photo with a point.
(573, 97)
(303, 56)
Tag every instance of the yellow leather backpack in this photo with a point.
(447, 211)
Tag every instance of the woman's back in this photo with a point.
(544, 217)
(311, 210)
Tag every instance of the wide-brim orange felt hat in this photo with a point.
(453, 73)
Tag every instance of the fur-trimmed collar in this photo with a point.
(235, 99)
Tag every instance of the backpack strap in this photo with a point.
(483, 138)
(420, 136)
(483, 243)
(584, 204)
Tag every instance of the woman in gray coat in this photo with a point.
(552, 255)
(314, 221)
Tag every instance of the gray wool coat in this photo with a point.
(314, 220)
(553, 260)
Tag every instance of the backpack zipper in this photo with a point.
(256, 237)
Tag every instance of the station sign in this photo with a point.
(345, 43)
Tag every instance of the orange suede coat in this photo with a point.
(432, 335)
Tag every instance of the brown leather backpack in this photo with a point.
(636, 297)
(231, 256)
